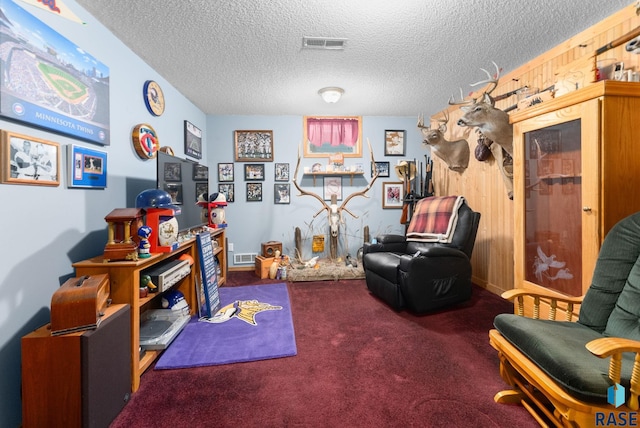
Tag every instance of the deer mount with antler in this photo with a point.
(334, 211)
(454, 153)
(482, 114)
(493, 123)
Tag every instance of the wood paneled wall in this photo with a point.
(481, 184)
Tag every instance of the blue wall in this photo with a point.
(251, 223)
(46, 229)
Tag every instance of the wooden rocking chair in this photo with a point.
(583, 373)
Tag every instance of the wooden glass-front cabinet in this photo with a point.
(576, 174)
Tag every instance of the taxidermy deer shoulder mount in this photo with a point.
(483, 115)
(333, 210)
(493, 123)
(454, 153)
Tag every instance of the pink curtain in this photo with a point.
(335, 132)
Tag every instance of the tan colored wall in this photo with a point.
(481, 184)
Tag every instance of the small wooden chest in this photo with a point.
(79, 304)
(262, 266)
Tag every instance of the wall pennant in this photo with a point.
(55, 6)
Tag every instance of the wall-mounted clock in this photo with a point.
(145, 141)
(153, 97)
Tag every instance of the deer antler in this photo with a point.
(492, 80)
(325, 206)
(362, 192)
(453, 102)
(443, 127)
(420, 123)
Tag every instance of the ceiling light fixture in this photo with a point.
(331, 94)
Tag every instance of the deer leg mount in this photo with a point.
(505, 165)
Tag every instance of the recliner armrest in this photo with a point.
(386, 243)
(430, 253)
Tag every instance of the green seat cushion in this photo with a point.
(558, 348)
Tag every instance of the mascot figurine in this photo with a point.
(144, 252)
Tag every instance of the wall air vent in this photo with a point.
(244, 258)
(323, 43)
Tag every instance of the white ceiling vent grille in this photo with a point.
(323, 43)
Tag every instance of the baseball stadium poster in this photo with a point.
(49, 82)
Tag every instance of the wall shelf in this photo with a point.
(349, 174)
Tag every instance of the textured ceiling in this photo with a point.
(401, 58)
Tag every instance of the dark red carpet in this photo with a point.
(359, 364)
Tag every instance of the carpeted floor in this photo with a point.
(359, 364)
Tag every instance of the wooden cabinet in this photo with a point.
(78, 379)
(576, 174)
(124, 277)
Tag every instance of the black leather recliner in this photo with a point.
(423, 276)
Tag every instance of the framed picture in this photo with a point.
(281, 193)
(175, 191)
(225, 172)
(254, 171)
(29, 160)
(254, 192)
(54, 85)
(200, 172)
(228, 190)
(381, 167)
(282, 172)
(394, 142)
(202, 189)
(87, 167)
(172, 171)
(392, 194)
(332, 186)
(346, 138)
(251, 146)
(192, 140)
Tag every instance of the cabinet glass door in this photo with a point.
(553, 201)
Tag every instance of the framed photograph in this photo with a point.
(382, 168)
(392, 194)
(228, 190)
(175, 190)
(29, 160)
(254, 171)
(281, 193)
(346, 137)
(202, 189)
(67, 92)
(282, 172)
(192, 140)
(394, 142)
(200, 172)
(172, 171)
(332, 186)
(251, 146)
(225, 172)
(254, 192)
(87, 167)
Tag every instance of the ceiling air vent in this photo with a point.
(323, 43)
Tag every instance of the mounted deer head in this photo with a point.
(493, 123)
(481, 114)
(333, 210)
(454, 153)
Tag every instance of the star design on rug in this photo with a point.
(245, 310)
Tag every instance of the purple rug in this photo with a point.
(257, 326)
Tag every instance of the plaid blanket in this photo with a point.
(434, 219)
